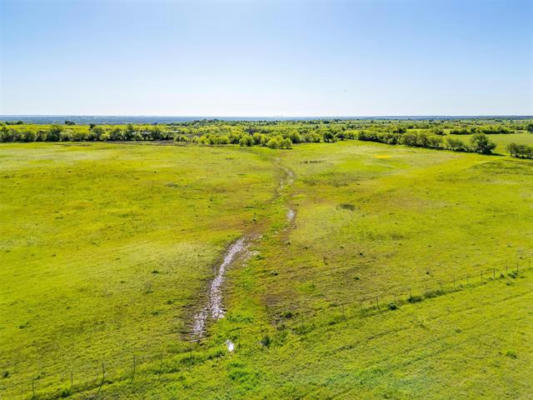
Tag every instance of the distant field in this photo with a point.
(107, 250)
(503, 140)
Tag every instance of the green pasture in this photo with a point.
(502, 141)
(107, 250)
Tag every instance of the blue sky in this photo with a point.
(266, 58)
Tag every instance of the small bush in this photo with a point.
(513, 274)
(520, 150)
(414, 299)
(511, 354)
(347, 206)
(246, 140)
(433, 293)
(266, 341)
(481, 144)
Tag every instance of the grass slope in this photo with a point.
(105, 248)
(371, 220)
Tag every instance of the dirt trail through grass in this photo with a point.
(214, 309)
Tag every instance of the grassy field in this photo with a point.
(107, 250)
(502, 141)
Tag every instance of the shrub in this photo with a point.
(234, 138)
(257, 137)
(181, 138)
(66, 135)
(79, 135)
(54, 133)
(481, 144)
(246, 140)
(116, 134)
(520, 150)
(266, 341)
(409, 139)
(414, 299)
(95, 133)
(295, 137)
(328, 137)
(460, 131)
(313, 138)
(433, 293)
(274, 143)
(455, 144)
(285, 144)
(435, 142)
(29, 136)
(511, 354)
(129, 132)
(223, 139)
(41, 135)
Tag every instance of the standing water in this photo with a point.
(214, 308)
(290, 215)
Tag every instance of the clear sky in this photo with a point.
(266, 58)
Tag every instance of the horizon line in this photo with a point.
(264, 116)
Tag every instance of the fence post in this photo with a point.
(161, 365)
(133, 371)
(102, 381)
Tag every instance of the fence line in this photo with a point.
(381, 300)
(125, 368)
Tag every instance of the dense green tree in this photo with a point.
(246, 140)
(481, 144)
(520, 150)
(54, 133)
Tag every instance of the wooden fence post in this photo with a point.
(133, 370)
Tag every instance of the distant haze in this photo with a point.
(118, 119)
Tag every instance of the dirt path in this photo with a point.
(214, 308)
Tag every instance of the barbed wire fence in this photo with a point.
(384, 300)
(90, 377)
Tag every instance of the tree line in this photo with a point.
(479, 143)
(432, 134)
